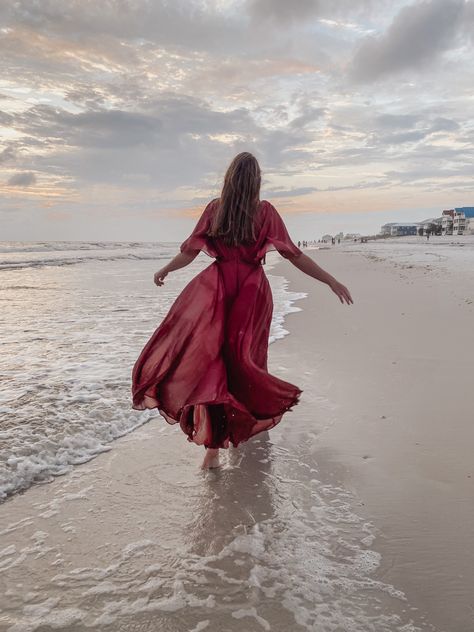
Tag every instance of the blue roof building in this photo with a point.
(467, 210)
(463, 220)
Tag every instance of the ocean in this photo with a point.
(74, 318)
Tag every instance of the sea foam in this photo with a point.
(75, 316)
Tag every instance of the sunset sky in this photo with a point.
(118, 118)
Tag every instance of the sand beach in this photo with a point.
(397, 369)
(354, 514)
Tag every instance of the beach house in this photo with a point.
(398, 229)
(447, 222)
(432, 226)
(463, 220)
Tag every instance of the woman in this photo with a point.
(205, 366)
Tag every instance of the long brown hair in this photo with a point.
(233, 218)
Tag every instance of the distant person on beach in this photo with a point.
(205, 366)
(299, 244)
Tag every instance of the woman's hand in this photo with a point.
(159, 277)
(341, 291)
(181, 260)
(311, 268)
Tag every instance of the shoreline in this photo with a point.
(72, 401)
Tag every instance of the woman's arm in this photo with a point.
(311, 268)
(181, 260)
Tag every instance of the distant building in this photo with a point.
(398, 229)
(447, 222)
(459, 223)
(326, 238)
(432, 225)
(467, 210)
(404, 229)
(387, 228)
(456, 221)
(463, 221)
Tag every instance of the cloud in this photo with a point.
(181, 23)
(397, 121)
(428, 171)
(417, 36)
(309, 115)
(282, 10)
(285, 12)
(7, 155)
(230, 77)
(404, 137)
(163, 120)
(171, 140)
(24, 179)
(295, 192)
(441, 124)
(425, 128)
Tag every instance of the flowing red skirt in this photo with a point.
(205, 366)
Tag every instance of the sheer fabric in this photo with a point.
(205, 366)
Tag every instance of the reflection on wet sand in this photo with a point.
(149, 542)
(236, 497)
(272, 547)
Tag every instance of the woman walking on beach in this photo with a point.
(205, 366)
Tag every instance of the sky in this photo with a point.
(119, 118)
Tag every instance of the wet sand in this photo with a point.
(354, 514)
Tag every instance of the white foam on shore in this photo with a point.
(283, 304)
(71, 336)
(291, 555)
(283, 298)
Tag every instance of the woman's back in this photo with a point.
(270, 234)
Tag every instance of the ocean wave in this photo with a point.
(65, 396)
(68, 261)
(58, 246)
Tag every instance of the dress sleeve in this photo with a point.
(199, 239)
(278, 237)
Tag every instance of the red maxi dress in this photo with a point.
(205, 366)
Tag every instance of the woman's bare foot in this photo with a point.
(211, 459)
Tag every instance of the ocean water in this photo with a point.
(74, 317)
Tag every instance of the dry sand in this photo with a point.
(398, 370)
(139, 539)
